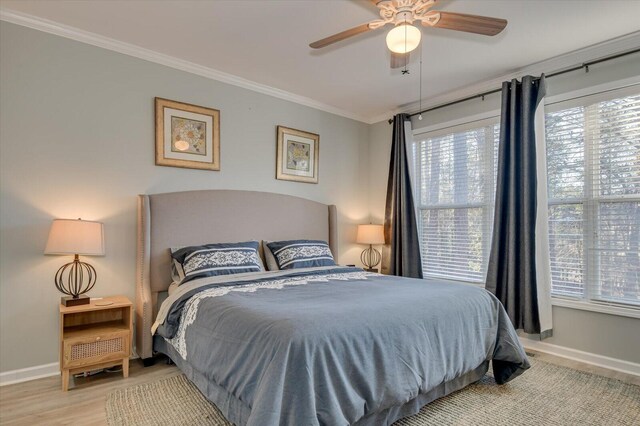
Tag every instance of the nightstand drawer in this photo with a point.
(79, 352)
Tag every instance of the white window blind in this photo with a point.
(593, 161)
(454, 174)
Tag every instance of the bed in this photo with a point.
(325, 345)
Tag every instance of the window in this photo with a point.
(454, 176)
(593, 163)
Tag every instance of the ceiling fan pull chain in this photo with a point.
(420, 100)
(406, 55)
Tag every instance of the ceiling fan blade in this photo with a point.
(399, 60)
(340, 36)
(470, 23)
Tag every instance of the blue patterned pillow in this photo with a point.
(294, 254)
(217, 259)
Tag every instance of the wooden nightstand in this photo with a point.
(94, 337)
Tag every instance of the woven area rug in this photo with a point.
(546, 394)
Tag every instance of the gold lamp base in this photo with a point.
(75, 279)
(370, 258)
(75, 301)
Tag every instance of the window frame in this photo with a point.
(589, 201)
(560, 301)
(460, 125)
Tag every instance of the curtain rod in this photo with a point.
(584, 65)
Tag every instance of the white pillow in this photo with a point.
(272, 264)
(173, 287)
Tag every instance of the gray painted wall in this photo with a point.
(77, 140)
(603, 334)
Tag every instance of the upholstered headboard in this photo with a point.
(214, 216)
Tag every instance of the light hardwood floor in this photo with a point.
(42, 402)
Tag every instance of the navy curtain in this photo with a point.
(402, 255)
(512, 263)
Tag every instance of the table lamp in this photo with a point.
(76, 237)
(370, 234)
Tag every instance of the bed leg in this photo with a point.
(148, 362)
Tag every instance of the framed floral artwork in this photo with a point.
(297, 155)
(187, 135)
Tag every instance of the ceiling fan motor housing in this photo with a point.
(405, 17)
(398, 12)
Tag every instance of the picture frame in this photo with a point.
(187, 135)
(297, 155)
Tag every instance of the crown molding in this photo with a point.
(611, 47)
(616, 45)
(98, 40)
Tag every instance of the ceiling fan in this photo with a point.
(405, 37)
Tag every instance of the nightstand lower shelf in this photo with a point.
(68, 373)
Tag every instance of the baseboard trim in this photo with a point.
(34, 373)
(615, 364)
(30, 373)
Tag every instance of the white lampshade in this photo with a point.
(403, 38)
(370, 234)
(69, 236)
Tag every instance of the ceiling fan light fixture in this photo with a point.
(403, 38)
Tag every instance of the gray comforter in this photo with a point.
(332, 346)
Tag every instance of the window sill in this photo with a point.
(446, 279)
(566, 303)
(596, 307)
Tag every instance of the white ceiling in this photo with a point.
(266, 41)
